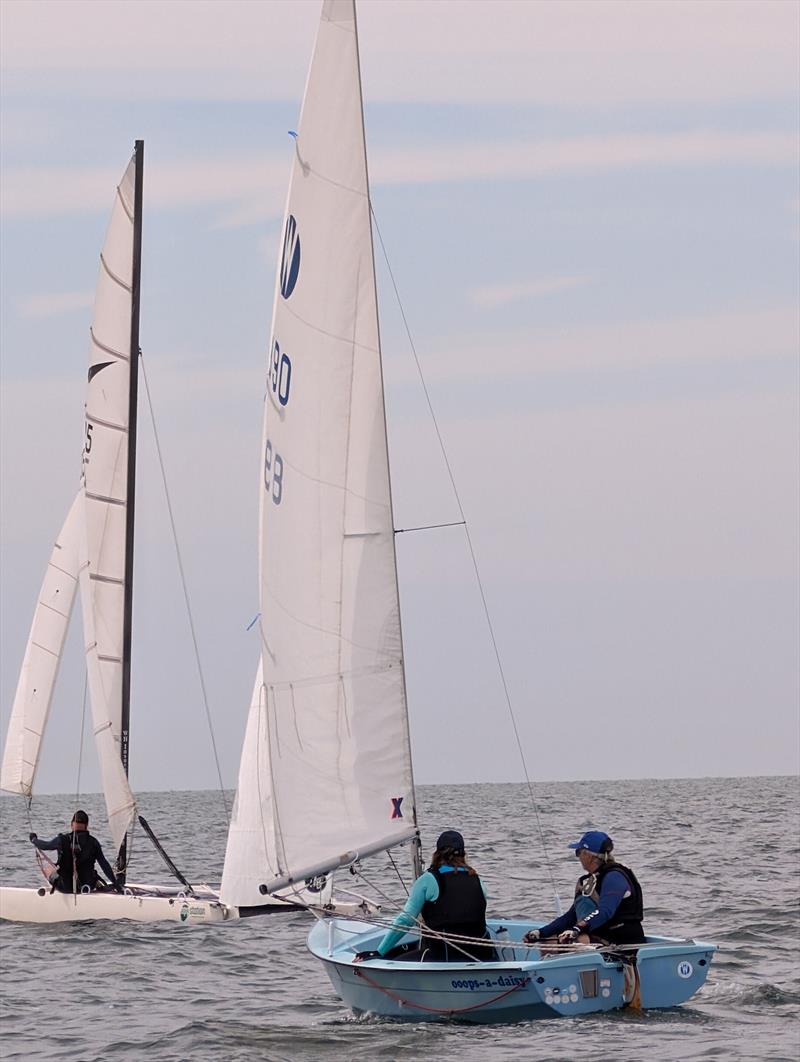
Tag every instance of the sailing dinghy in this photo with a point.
(93, 556)
(329, 724)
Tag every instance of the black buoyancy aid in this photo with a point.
(81, 847)
(460, 908)
(631, 908)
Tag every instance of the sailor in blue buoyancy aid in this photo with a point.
(608, 906)
(450, 899)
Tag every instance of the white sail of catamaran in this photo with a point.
(94, 553)
(94, 543)
(108, 482)
(40, 665)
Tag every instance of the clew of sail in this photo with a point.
(42, 658)
(105, 490)
(331, 736)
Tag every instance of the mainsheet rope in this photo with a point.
(474, 565)
(41, 859)
(45, 864)
(455, 938)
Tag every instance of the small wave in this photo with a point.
(233, 1041)
(748, 994)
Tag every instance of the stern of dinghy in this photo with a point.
(672, 972)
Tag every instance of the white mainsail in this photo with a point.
(42, 658)
(105, 483)
(329, 730)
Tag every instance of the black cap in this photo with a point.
(81, 817)
(450, 841)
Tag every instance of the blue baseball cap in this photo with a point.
(595, 841)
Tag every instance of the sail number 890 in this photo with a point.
(273, 473)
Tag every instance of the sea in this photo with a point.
(718, 859)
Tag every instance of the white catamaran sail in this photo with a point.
(108, 489)
(42, 658)
(93, 544)
(95, 550)
(327, 740)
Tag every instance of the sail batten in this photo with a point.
(330, 728)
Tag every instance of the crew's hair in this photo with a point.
(447, 857)
(81, 817)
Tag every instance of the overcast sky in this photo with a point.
(591, 211)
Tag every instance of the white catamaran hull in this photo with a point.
(523, 986)
(139, 903)
(156, 903)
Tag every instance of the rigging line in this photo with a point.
(40, 856)
(430, 527)
(184, 588)
(474, 561)
(80, 746)
(384, 896)
(397, 871)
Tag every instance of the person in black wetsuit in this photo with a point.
(608, 907)
(77, 853)
(450, 898)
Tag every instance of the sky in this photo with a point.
(591, 212)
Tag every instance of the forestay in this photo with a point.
(42, 658)
(105, 483)
(327, 740)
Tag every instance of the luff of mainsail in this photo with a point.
(42, 658)
(108, 481)
(330, 732)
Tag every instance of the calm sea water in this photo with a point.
(718, 859)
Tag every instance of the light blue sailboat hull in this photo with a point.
(521, 986)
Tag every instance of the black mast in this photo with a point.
(133, 394)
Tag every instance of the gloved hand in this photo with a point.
(32, 837)
(532, 936)
(363, 956)
(569, 936)
(116, 886)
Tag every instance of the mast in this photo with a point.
(131, 478)
(416, 860)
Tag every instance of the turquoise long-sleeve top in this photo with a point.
(425, 888)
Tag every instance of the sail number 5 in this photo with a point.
(273, 473)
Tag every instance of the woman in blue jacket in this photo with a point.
(450, 899)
